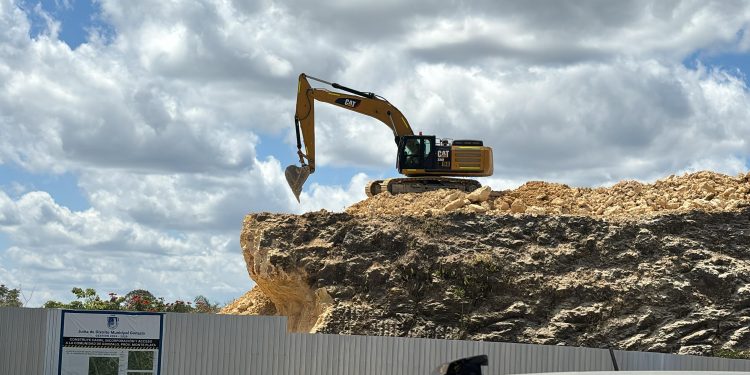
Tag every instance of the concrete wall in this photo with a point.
(221, 344)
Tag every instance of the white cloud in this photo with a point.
(539, 32)
(195, 202)
(58, 249)
(40, 221)
(9, 215)
(353, 140)
(587, 123)
(333, 198)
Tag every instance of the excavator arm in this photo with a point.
(365, 103)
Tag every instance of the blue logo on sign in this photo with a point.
(112, 322)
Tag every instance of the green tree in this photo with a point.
(179, 306)
(9, 297)
(203, 305)
(142, 300)
(87, 299)
(135, 300)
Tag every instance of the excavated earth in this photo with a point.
(657, 267)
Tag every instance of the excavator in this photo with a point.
(429, 163)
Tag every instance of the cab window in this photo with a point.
(412, 147)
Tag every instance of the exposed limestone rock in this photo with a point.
(476, 208)
(287, 288)
(480, 195)
(254, 302)
(518, 206)
(657, 267)
(502, 206)
(675, 283)
(454, 204)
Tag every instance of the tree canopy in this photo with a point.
(9, 297)
(135, 300)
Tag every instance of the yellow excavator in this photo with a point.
(427, 161)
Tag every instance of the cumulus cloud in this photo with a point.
(589, 122)
(57, 249)
(539, 32)
(95, 114)
(334, 198)
(183, 85)
(194, 202)
(344, 139)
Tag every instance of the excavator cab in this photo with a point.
(416, 152)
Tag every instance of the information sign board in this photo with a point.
(110, 343)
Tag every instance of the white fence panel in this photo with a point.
(198, 344)
(222, 344)
(22, 340)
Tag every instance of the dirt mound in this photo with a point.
(705, 191)
(254, 302)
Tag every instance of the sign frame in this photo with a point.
(110, 312)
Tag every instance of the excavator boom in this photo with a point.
(365, 103)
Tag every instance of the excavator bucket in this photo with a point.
(296, 177)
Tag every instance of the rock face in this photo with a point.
(676, 282)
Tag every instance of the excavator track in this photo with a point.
(419, 185)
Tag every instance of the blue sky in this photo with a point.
(732, 61)
(64, 186)
(151, 146)
(76, 17)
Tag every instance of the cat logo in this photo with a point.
(348, 102)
